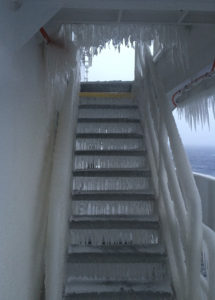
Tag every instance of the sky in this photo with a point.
(112, 65)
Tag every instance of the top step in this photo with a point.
(107, 86)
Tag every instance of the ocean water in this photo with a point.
(202, 159)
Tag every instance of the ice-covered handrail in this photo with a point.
(194, 82)
(178, 198)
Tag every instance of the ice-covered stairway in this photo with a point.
(115, 250)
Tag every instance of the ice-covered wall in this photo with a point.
(25, 151)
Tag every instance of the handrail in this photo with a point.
(187, 86)
(179, 201)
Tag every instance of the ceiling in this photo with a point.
(180, 17)
(136, 11)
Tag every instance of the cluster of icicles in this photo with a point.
(105, 208)
(112, 183)
(114, 237)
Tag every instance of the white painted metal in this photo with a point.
(140, 4)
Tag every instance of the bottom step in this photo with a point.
(102, 290)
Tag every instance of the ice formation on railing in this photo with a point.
(179, 202)
(114, 237)
(197, 99)
(60, 61)
(141, 208)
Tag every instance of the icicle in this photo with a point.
(111, 183)
(133, 207)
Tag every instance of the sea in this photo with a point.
(202, 159)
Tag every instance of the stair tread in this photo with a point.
(107, 172)
(76, 286)
(118, 249)
(116, 119)
(109, 218)
(108, 106)
(114, 222)
(113, 195)
(110, 135)
(111, 152)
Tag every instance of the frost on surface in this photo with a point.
(106, 208)
(114, 237)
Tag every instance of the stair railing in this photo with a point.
(190, 244)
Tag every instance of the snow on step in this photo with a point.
(116, 290)
(116, 207)
(109, 144)
(111, 183)
(108, 128)
(102, 162)
(115, 236)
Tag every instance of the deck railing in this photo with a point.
(190, 244)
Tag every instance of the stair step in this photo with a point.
(109, 135)
(116, 254)
(109, 128)
(112, 172)
(110, 162)
(106, 101)
(113, 195)
(116, 290)
(114, 222)
(108, 106)
(107, 87)
(109, 120)
(111, 152)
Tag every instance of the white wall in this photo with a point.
(25, 151)
(206, 187)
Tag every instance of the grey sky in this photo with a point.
(112, 65)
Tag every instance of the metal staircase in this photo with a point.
(115, 249)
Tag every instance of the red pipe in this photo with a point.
(45, 35)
